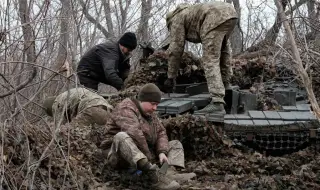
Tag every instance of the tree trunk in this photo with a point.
(272, 33)
(107, 12)
(93, 20)
(123, 15)
(28, 33)
(236, 38)
(64, 34)
(143, 31)
(29, 45)
(312, 14)
(62, 57)
(314, 23)
(302, 73)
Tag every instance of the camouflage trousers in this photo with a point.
(92, 115)
(216, 59)
(125, 154)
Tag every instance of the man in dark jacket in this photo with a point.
(107, 63)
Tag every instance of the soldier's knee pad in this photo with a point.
(121, 136)
(176, 144)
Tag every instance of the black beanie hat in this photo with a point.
(129, 40)
(149, 93)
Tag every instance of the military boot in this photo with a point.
(180, 177)
(213, 107)
(162, 182)
(158, 178)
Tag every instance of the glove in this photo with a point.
(169, 84)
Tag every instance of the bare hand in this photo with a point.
(163, 158)
(65, 68)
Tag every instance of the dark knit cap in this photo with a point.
(129, 40)
(149, 93)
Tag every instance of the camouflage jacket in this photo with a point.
(186, 23)
(70, 103)
(147, 131)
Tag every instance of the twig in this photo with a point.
(34, 96)
(2, 158)
(314, 52)
(250, 55)
(297, 59)
(54, 139)
(40, 66)
(21, 86)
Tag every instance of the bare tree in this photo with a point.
(313, 19)
(143, 30)
(301, 71)
(64, 34)
(271, 34)
(29, 45)
(93, 20)
(314, 23)
(123, 15)
(62, 58)
(237, 36)
(107, 12)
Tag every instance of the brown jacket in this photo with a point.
(147, 131)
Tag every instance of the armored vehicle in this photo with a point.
(289, 127)
(277, 119)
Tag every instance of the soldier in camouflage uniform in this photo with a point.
(209, 24)
(137, 139)
(79, 106)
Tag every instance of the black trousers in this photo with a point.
(88, 81)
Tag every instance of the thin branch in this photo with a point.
(295, 6)
(297, 59)
(93, 20)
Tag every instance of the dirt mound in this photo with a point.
(232, 169)
(246, 72)
(199, 138)
(43, 157)
(35, 157)
(154, 69)
(39, 157)
(129, 92)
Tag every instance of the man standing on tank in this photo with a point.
(211, 25)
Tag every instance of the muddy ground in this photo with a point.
(42, 157)
(34, 158)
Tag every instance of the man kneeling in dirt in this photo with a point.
(79, 106)
(139, 139)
